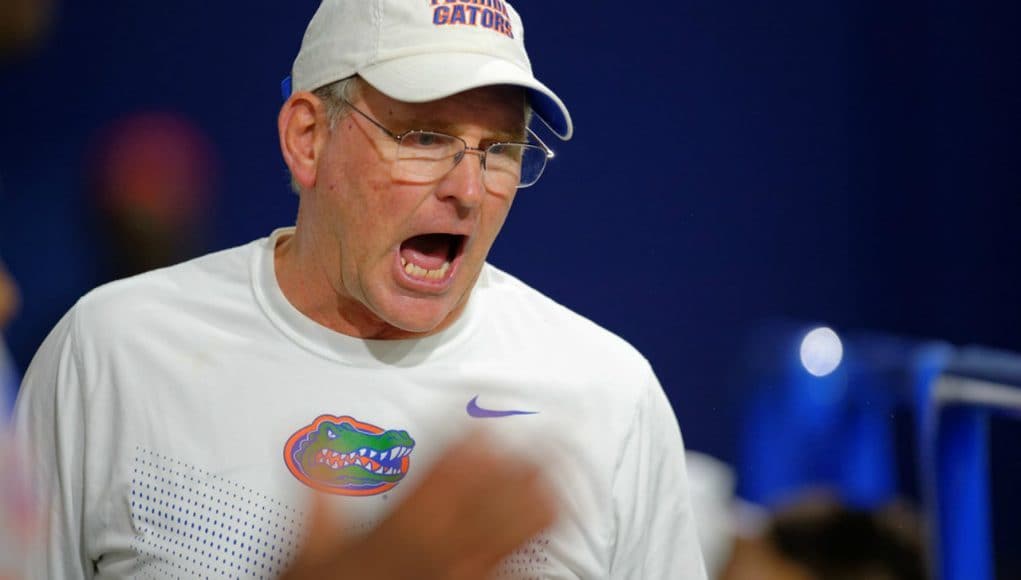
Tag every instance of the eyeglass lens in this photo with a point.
(424, 157)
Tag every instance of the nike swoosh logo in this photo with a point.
(478, 412)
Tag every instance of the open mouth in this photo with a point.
(431, 257)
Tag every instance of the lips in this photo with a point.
(431, 258)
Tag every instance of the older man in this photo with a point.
(457, 422)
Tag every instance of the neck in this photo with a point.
(307, 286)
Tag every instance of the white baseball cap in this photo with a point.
(423, 50)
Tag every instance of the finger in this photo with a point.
(480, 503)
(492, 526)
(324, 541)
(473, 507)
(509, 513)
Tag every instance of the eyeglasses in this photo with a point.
(426, 156)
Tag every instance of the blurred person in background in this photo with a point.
(809, 537)
(177, 420)
(14, 518)
(9, 301)
(152, 179)
(821, 539)
(712, 483)
(22, 25)
(19, 522)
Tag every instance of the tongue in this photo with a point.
(427, 251)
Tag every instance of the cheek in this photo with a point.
(357, 200)
(493, 219)
(371, 228)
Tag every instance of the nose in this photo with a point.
(464, 182)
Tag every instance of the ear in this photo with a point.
(303, 130)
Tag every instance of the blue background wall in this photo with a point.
(850, 162)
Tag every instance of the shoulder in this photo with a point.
(129, 323)
(217, 278)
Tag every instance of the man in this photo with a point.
(818, 537)
(180, 418)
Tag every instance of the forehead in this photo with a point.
(497, 111)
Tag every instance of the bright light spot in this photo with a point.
(821, 351)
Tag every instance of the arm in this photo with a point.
(49, 428)
(655, 527)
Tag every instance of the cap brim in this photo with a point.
(428, 77)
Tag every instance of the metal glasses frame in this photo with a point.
(480, 151)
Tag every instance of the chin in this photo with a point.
(417, 318)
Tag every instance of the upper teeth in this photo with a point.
(420, 272)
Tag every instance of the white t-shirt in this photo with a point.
(177, 420)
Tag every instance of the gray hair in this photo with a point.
(336, 97)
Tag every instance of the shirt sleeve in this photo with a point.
(49, 432)
(656, 535)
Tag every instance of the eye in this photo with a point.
(426, 140)
(506, 152)
(331, 434)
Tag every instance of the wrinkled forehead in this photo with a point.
(500, 110)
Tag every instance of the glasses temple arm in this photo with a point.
(549, 152)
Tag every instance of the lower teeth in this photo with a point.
(419, 272)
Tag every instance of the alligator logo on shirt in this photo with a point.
(345, 456)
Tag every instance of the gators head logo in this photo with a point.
(345, 456)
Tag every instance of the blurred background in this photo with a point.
(742, 173)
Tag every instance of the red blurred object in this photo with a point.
(152, 176)
(157, 164)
